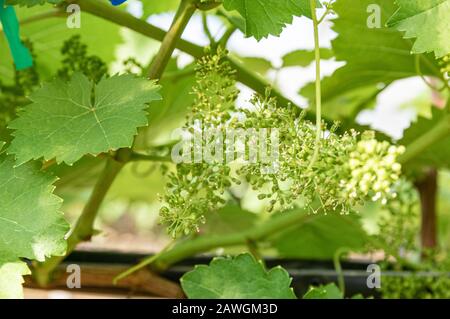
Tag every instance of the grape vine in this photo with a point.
(349, 169)
(301, 164)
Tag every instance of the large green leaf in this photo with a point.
(263, 18)
(373, 56)
(69, 120)
(240, 277)
(438, 154)
(31, 225)
(320, 237)
(426, 20)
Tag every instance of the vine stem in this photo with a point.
(201, 244)
(328, 10)
(142, 264)
(206, 29)
(182, 17)
(318, 85)
(84, 228)
(54, 13)
(223, 41)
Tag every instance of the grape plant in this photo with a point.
(106, 91)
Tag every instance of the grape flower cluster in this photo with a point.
(373, 169)
(444, 64)
(76, 59)
(351, 168)
(196, 188)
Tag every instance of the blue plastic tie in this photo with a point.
(117, 2)
(21, 55)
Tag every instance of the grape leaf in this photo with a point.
(329, 291)
(155, 7)
(236, 20)
(30, 3)
(428, 21)
(345, 107)
(320, 237)
(31, 225)
(240, 277)
(257, 64)
(438, 154)
(304, 58)
(229, 219)
(269, 16)
(69, 120)
(380, 56)
(11, 279)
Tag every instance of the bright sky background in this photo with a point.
(389, 115)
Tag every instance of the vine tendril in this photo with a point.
(318, 85)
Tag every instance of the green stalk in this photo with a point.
(142, 264)
(54, 13)
(206, 29)
(182, 17)
(338, 268)
(223, 41)
(202, 244)
(318, 85)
